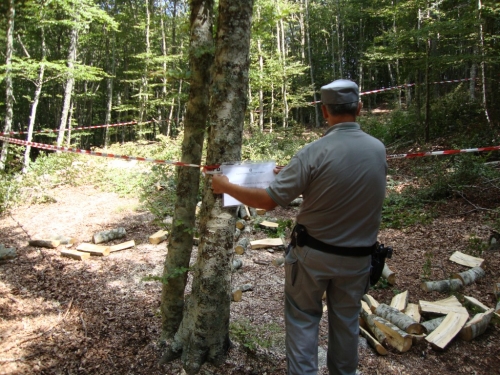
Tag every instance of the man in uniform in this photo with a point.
(342, 178)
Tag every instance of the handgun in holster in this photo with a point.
(379, 256)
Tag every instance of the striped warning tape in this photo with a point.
(211, 169)
(403, 86)
(79, 128)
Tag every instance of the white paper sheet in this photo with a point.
(252, 174)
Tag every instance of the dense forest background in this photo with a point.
(72, 63)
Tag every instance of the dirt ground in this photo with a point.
(63, 316)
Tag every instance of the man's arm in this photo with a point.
(253, 197)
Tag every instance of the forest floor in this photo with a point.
(63, 316)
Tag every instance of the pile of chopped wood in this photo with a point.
(401, 324)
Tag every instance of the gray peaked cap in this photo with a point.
(341, 91)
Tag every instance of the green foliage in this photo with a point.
(252, 336)
(396, 127)
(476, 246)
(401, 210)
(9, 186)
(381, 284)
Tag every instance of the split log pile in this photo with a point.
(401, 324)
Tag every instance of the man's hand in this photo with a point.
(219, 183)
(278, 169)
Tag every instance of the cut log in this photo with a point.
(260, 211)
(466, 260)
(473, 302)
(418, 338)
(236, 264)
(97, 250)
(399, 301)
(261, 262)
(122, 246)
(399, 319)
(237, 292)
(389, 275)
(269, 225)
(236, 295)
(442, 307)
(64, 240)
(296, 202)
(237, 233)
(51, 244)
(397, 338)
(442, 285)
(158, 237)
(447, 330)
(253, 211)
(108, 235)
(75, 254)
(277, 262)
(240, 224)
(469, 276)
(373, 342)
(413, 312)
(241, 246)
(243, 213)
(476, 326)
(7, 253)
(372, 302)
(367, 317)
(431, 325)
(248, 215)
(266, 242)
(366, 308)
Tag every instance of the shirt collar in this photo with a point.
(342, 126)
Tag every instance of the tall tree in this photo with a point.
(9, 87)
(204, 332)
(188, 179)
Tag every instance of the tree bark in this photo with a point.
(9, 88)
(203, 335)
(188, 179)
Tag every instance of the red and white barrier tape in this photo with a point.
(446, 152)
(213, 169)
(79, 128)
(403, 86)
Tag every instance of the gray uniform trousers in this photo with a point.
(309, 273)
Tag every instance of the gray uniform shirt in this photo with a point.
(342, 178)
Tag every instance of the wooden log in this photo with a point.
(400, 300)
(122, 246)
(399, 319)
(75, 254)
(260, 211)
(466, 260)
(447, 330)
(51, 244)
(442, 286)
(296, 202)
(269, 225)
(413, 312)
(7, 253)
(366, 308)
(442, 307)
(476, 326)
(243, 213)
(236, 264)
(261, 262)
(389, 275)
(373, 342)
(469, 276)
(63, 240)
(97, 250)
(432, 324)
(237, 292)
(158, 237)
(277, 262)
(236, 295)
(397, 338)
(372, 302)
(240, 224)
(266, 242)
(367, 317)
(473, 302)
(108, 235)
(241, 246)
(248, 215)
(237, 233)
(253, 211)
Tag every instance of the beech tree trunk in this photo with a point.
(188, 179)
(204, 331)
(9, 89)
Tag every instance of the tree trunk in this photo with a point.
(204, 332)
(311, 72)
(483, 65)
(109, 86)
(9, 89)
(181, 239)
(68, 90)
